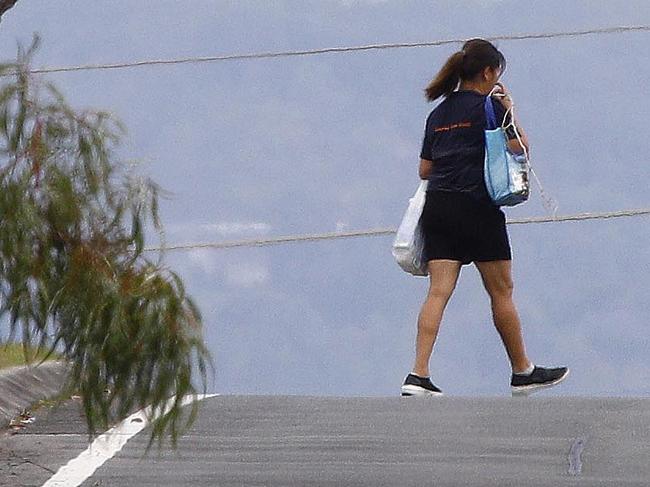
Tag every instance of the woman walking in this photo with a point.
(461, 224)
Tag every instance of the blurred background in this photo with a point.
(325, 143)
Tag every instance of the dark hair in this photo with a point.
(466, 64)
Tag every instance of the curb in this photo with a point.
(22, 386)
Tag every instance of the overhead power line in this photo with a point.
(387, 231)
(312, 52)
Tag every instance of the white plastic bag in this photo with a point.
(408, 246)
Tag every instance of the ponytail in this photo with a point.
(447, 78)
(465, 64)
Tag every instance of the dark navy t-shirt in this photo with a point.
(454, 140)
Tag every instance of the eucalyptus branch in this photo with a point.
(73, 276)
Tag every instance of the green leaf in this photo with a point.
(73, 276)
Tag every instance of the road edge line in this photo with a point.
(106, 445)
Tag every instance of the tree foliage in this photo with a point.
(73, 273)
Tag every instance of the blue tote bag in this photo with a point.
(506, 174)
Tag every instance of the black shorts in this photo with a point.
(458, 227)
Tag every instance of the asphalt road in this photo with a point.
(309, 441)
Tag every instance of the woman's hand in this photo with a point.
(501, 92)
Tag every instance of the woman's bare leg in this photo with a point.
(443, 275)
(497, 279)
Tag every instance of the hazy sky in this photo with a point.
(272, 147)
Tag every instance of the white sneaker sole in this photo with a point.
(525, 390)
(411, 390)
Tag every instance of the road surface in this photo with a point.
(393, 441)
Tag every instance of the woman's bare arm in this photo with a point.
(513, 144)
(426, 167)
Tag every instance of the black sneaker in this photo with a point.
(539, 379)
(418, 386)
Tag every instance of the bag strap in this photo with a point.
(549, 203)
(490, 116)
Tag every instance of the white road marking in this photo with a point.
(105, 446)
(575, 462)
